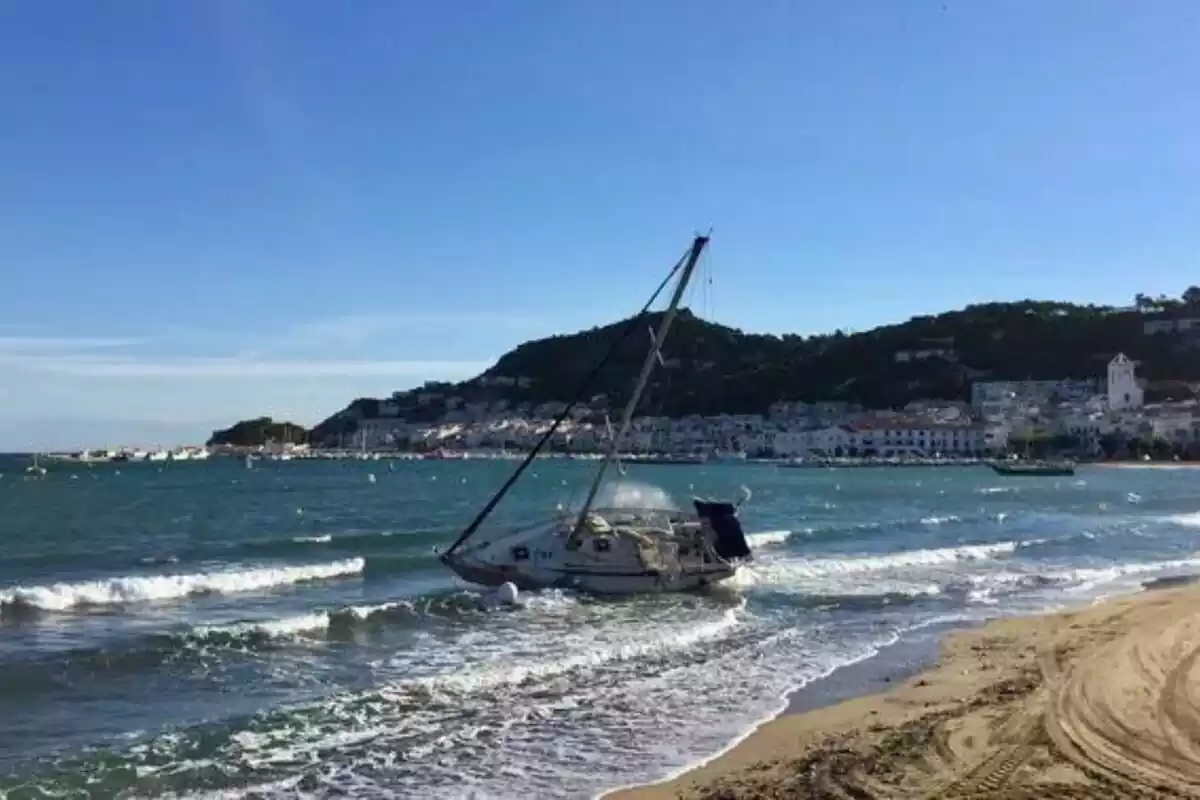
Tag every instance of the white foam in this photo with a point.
(497, 674)
(1088, 578)
(792, 569)
(142, 588)
(275, 628)
(765, 538)
(1191, 520)
(313, 539)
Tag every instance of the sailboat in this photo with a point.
(36, 467)
(616, 550)
(1029, 466)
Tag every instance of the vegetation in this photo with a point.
(335, 429)
(1112, 446)
(711, 368)
(257, 432)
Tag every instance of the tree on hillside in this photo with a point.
(1191, 295)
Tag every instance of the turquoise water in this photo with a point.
(203, 628)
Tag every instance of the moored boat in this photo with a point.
(1034, 467)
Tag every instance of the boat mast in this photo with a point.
(644, 378)
(613, 347)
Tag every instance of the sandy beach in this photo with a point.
(1098, 702)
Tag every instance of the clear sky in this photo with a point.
(212, 210)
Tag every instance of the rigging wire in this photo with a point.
(632, 324)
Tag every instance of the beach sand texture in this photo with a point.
(1102, 702)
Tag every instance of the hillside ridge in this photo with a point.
(710, 368)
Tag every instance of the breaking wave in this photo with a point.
(144, 588)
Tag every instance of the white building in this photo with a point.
(887, 438)
(1179, 427)
(995, 397)
(815, 441)
(1123, 390)
(922, 439)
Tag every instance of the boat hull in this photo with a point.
(617, 552)
(1033, 471)
(589, 580)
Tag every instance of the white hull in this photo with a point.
(618, 552)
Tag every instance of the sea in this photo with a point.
(286, 630)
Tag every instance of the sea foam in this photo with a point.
(143, 588)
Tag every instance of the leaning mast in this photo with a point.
(644, 377)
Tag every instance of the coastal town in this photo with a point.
(1102, 417)
(1085, 417)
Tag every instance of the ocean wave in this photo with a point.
(518, 672)
(784, 571)
(839, 531)
(342, 621)
(419, 543)
(868, 599)
(1188, 520)
(1087, 578)
(122, 655)
(940, 520)
(411, 717)
(767, 538)
(358, 541)
(143, 588)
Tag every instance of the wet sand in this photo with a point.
(1098, 702)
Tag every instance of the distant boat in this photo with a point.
(678, 458)
(1022, 467)
(35, 468)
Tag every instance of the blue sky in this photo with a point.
(212, 210)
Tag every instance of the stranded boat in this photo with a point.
(622, 549)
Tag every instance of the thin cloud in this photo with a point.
(361, 329)
(62, 344)
(236, 368)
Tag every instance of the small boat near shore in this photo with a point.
(675, 459)
(35, 466)
(1023, 467)
(633, 541)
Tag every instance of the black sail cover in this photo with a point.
(722, 516)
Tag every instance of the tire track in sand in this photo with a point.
(1130, 710)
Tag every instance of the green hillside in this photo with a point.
(710, 368)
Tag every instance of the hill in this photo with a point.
(257, 432)
(710, 368)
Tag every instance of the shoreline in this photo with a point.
(1019, 707)
(914, 652)
(1147, 464)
